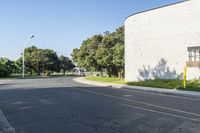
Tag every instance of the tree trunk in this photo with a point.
(31, 73)
(38, 73)
(101, 74)
(119, 74)
(109, 72)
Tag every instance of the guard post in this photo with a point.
(184, 78)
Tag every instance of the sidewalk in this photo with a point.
(190, 94)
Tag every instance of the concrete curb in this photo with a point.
(94, 83)
(173, 92)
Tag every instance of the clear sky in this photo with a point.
(62, 25)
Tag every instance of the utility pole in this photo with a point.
(23, 65)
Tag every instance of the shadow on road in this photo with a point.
(75, 109)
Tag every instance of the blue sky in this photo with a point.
(62, 25)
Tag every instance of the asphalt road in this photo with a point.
(59, 105)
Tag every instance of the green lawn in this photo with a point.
(193, 85)
(160, 83)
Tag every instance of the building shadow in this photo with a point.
(160, 71)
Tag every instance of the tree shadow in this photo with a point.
(161, 71)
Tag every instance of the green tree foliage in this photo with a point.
(85, 56)
(66, 64)
(37, 61)
(75, 55)
(40, 61)
(50, 61)
(4, 72)
(118, 59)
(7, 67)
(102, 52)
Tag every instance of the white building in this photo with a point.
(157, 41)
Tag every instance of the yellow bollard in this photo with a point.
(184, 78)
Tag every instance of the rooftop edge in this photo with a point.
(157, 8)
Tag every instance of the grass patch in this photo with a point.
(158, 83)
(192, 85)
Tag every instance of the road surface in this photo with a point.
(59, 105)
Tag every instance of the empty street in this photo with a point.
(60, 105)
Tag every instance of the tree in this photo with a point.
(102, 52)
(104, 59)
(50, 61)
(66, 64)
(75, 55)
(118, 59)
(92, 47)
(4, 70)
(40, 60)
(32, 59)
(85, 56)
(118, 52)
(6, 67)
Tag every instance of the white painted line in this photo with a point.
(6, 126)
(138, 102)
(160, 112)
(77, 94)
(127, 95)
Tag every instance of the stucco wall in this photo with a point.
(156, 41)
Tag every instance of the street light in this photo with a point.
(23, 66)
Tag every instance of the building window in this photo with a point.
(194, 57)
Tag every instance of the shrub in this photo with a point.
(4, 70)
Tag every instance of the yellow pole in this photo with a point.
(184, 78)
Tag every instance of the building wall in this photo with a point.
(156, 42)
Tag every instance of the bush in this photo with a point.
(4, 70)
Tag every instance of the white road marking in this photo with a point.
(160, 112)
(6, 126)
(76, 94)
(138, 102)
(127, 95)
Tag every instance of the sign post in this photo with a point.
(184, 78)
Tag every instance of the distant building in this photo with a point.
(161, 41)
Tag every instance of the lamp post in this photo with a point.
(23, 65)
